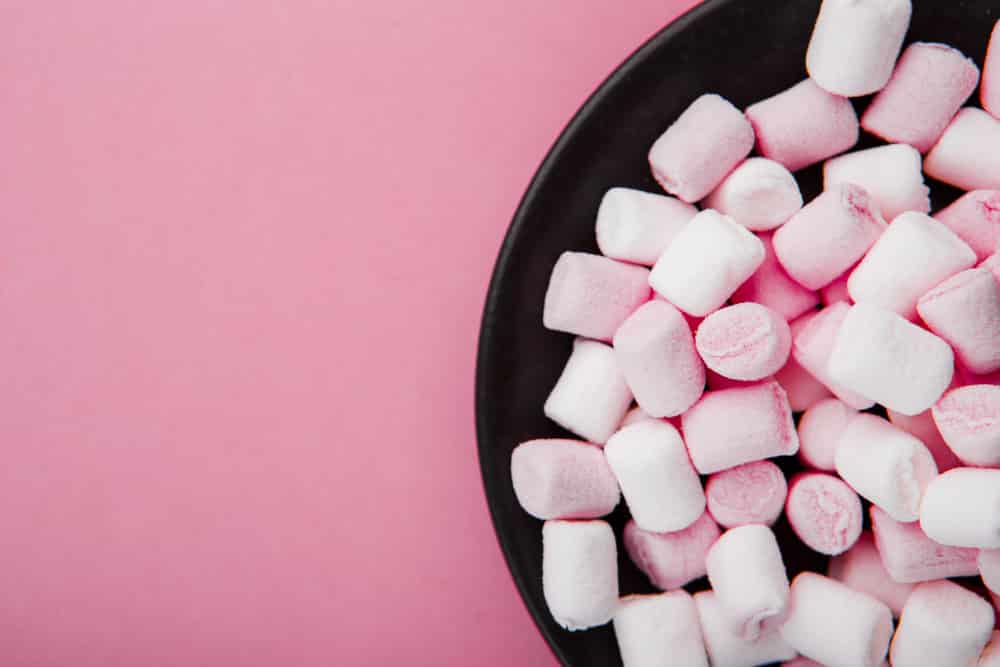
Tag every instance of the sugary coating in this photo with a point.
(749, 493)
(813, 337)
(969, 421)
(771, 286)
(861, 568)
(760, 194)
(975, 218)
(824, 512)
(659, 630)
(964, 310)
(820, 429)
(579, 573)
(961, 508)
(891, 174)
(909, 556)
(746, 341)
(563, 479)
(968, 153)
(943, 625)
(635, 226)
(989, 568)
(671, 560)
(803, 390)
(989, 91)
(922, 427)
(727, 648)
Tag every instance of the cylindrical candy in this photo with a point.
(968, 153)
(671, 560)
(803, 390)
(563, 479)
(813, 337)
(964, 310)
(891, 174)
(961, 508)
(659, 631)
(771, 286)
(824, 512)
(745, 342)
(861, 568)
(820, 429)
(726, 648)
(909, 556)
(760, 194)
(969, 420)
(975, 218)
(579, 572)
(749, 493)
(922, 427)
(636, 226)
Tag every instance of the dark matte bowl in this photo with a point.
(744, 50)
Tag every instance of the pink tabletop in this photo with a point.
(244, 248)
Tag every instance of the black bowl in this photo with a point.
(745, 50)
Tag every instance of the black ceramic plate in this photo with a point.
(744, 50)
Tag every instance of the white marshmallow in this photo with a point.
(591, 396)
(579, 572)
(989, 568)
(855, 44)
(891, 174)
(968, 153)
(707, 260)
(636, 226)
(885, 465)
(749, 579)
(659, 631)
(961, 508)
(889, 360)
(760, 194)
(726, 648)
(836, 625)
(660, 485)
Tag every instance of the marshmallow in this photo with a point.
(992, 264)
(942, 625)
(701, 147)
(922, 427)
(989, 568)
(824, 512)
(837, 290)
(891, 175)
(989, 91)
(591, 396)
(671, 560)
(750, 493)
(656, 353)
(975, 218)
(733, 426)
(708, 259)
(749, 579)
(930, 84)
(634, 415)
(820, 429)
(659, 631)
(803, 125)
(836, 625)
(855, 43)
(771, 286)
(964, 310)
(990, 657)
(969, 420)
(745, 342)
(562, 479)
(591, 296)
(968, 153)
(909, 556)
(803, 390)
(636, 226)
(662, 490)
(861, 568)
(579, 572)
(885, 465)
(882, 356)
(813, 338)
(760, 194)
(961, 508)
(726, 648)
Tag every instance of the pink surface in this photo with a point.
(243, 252)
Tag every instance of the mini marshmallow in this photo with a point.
(990, 657)
(820, 429)
(812, 342)
(708, 259)
(885, 465)
(803, 125)
(671, 560)
(703, 145)
(964, 310)
(837, 290)
(829, 235)
(861, 568)
(563, 479)
(745, 342)
(836, 625)
(636, 226)
(750, 493)
(975, 218)
(909, 556)
(659, 631)
(942, 625)
(803, 390)
(989, 91)
(855, 43)
(579, 572)
(824, 512)
(656, 353)
(726, 648)
(989, 568)
(749, 579)
(662, 490)
(882, 356)
(891, 175)
(733, 426)
(590, 397)
(969, 420)
(961, 508)
(968, 153)
(771, 286)
(922, 427)
(930, 84)
(760, 194)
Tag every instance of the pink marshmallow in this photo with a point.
(579, 573)
(961, 508)
(745, 342)
(975, 218)
(891, 174)
(824, 512)
(726, 648)
(989, 91)
(760, 194)
(563, 479)
(802, 388)
(828, 236)
(803, 125)
(930, 84)
(922, 427)
(989, 568)
(656, 353)
(812, 344)
(837, 290)
(701, 147)
(964, 310)
(968, 153)
(733, 426)
(671, 560)
(591, 296)
(749, 493)
(659, 631)
(909, 556)
(635, 226)
(969, 421)
(771, 286)
(861, 568)
(820, 429)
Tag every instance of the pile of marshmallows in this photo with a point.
(910, 320)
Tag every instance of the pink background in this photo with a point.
(244, 248)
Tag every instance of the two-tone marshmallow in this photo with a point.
(824, 512)
(744, 342)
(671, 560)
(909, 556)
(820, 429)
(968, 153)
(635, 226)
(749, 493)
(964, 310)
(760, 194)
(891, 174)
(726, 647)
(579, 572)
(961, 508)
(563, 479)
(861, 568)
(969, 421)
(659, 631)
